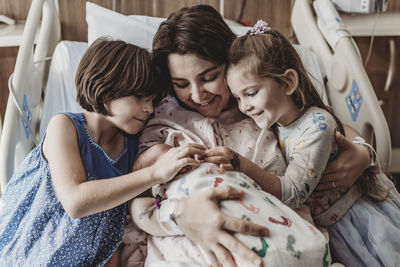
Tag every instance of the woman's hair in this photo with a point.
(198, 30)
(113, 69)
(270, 54)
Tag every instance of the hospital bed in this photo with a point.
(337, 72)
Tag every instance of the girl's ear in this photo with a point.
(292, 81)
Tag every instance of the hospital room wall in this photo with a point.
(276, 12)
(74, 27)
(377, 69)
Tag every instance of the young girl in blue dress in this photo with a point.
(66, 204)
(271, 86)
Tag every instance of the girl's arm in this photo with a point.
(147, 222)
(81, 197)
(150, 156)
(227, 158)
(308, 159)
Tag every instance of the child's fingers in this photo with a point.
(219, 151)
(188, 150)
(226, 167)
(187, 161)
(216, 159)
(195, 145)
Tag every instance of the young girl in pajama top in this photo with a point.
(270, 84)
(66, 203)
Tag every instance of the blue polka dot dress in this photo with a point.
(35, 229)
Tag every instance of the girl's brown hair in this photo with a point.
(112, 69)
(270, 54)
(198, 30)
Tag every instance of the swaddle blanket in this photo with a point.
(292, 241)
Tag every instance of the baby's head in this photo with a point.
(111, 70)
(266, 59)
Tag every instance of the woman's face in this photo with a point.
(199, 83)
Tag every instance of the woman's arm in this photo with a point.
(347, 167)
(148, 221)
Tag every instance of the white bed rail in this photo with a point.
(345, 71)
(26, 85)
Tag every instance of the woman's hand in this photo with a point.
(345, 170)
(169, 164)
(227, 158)
(201, 219)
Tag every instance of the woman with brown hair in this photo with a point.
(190, 52)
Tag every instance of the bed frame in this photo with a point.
(27, 84)
(345, 75)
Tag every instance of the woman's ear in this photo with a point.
(292, 81)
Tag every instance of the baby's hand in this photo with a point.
(227, 158)
(171, 163)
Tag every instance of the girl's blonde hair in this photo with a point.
(270, 54)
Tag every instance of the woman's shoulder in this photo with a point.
(168, 104)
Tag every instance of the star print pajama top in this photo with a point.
(361, 232)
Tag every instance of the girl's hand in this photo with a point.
(201, 219)
(345, 170)
(227, 158)
(169, 164)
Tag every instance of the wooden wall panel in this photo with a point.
(72, 17)
(74, 27)
(275, 12)
(393, 5)
(16, 9)
(377, 70)
(161, 8)
(8, 57)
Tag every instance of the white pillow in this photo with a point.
(138, 30)
(135, 29)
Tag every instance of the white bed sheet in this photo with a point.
(61, 93)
